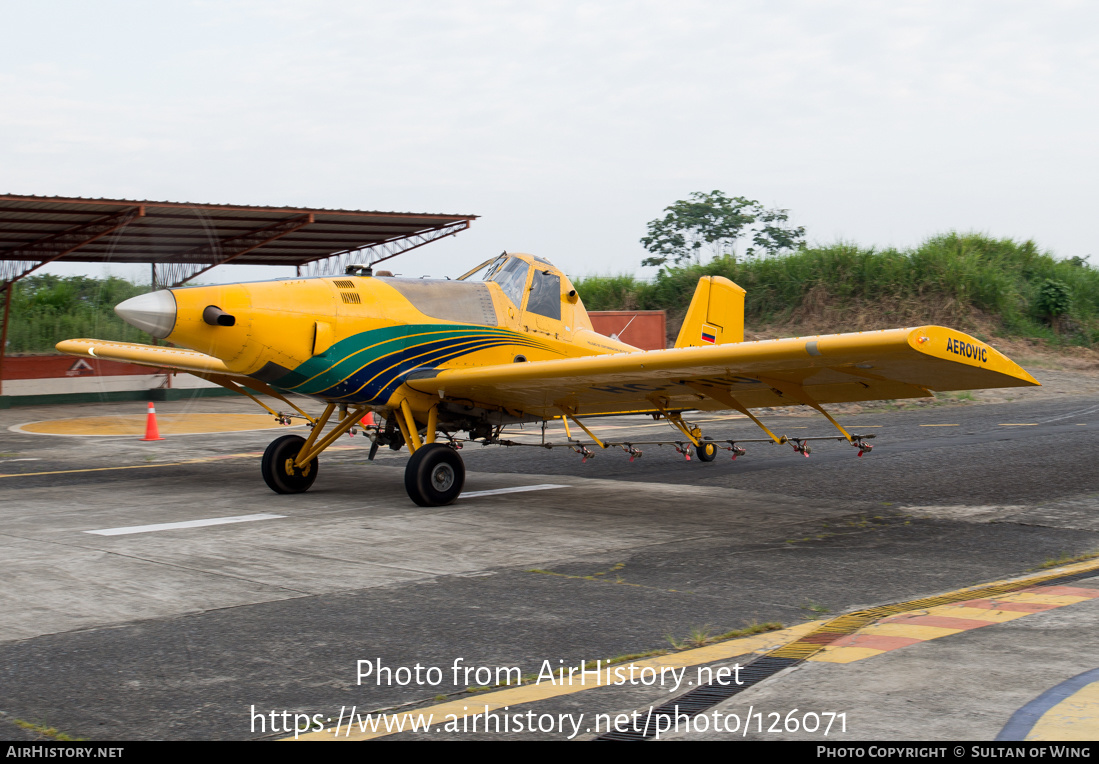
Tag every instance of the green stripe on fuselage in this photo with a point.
(344, 358)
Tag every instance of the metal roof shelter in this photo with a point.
(182, 240)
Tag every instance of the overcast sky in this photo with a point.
(566, 126)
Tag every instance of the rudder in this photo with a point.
(715, 316)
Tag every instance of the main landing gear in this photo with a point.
(278, 468)
(434, 475)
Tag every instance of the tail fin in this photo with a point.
(716, 315)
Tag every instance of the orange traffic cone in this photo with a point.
(151, 431)
(368, 419)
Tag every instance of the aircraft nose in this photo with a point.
(154, 312)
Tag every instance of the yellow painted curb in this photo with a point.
(868, 621)
(134, 424)
(472, 705)
(156, 465)
(783, 643)
(1074, 718)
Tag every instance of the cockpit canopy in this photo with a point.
(511, 272)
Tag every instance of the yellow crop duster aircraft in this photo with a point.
(510, 342)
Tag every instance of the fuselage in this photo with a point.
(354, 339)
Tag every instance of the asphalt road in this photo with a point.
(183, 633)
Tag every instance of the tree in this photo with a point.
(714, 222)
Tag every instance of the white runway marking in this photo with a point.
(1070, 415)
(516, 489)
(185, 524)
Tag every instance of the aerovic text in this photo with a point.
(968, 350)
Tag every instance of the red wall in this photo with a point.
(647, 330)
(52, 366)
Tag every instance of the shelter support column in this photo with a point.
(9, 293)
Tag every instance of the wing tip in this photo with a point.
(73, 347)
(954, 345)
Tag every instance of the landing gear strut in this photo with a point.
(278, 468)
(434, 475)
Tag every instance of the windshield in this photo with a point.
(493, 267)
(512, 278)
(484, 270)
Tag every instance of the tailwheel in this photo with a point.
(434, 475)
(278, 468)
(706, 451)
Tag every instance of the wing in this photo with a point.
(178, 359)
(863, 366)
(147, 355)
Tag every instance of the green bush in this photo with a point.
(1012, 282)
(47, 309)
(1054, 298)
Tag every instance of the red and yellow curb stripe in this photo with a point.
(902, 630)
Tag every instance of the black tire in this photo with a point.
(434, 475)
(706, 452)
(275, 464)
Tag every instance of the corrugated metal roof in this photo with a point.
(187, 232)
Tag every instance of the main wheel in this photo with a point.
(434, 475)
(706, 452)
(278, 468)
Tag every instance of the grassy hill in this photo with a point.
(971, 282)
